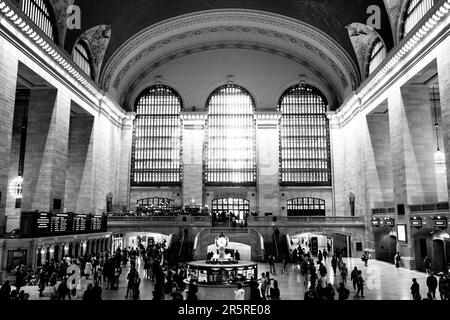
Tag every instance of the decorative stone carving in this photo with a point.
(60, 10)
(394, 8)
(98, 40)
(362, 37)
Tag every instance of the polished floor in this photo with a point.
(383, 282)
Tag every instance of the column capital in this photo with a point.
(127, 120)
(335, 119)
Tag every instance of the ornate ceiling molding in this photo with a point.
(98, 39)
(279, 29)
(330, 84)
(362, 38)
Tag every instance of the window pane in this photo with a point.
(38, 12)
(304, 138)
(417, 9)
(81, 59)
(303, 207)
(156, 155)
(230, 151)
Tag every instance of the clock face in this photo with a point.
(222, 242)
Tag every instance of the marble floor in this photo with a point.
(383, 282)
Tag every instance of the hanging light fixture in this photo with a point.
(439, 155)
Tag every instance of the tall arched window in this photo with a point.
(305, 138)
(416, 10)
(156, 151)
(377, 55)
(81, 58)
(231, 139)
(40, 13)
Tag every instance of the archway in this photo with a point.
(333, 243)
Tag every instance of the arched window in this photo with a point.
(40, 13)
(416, 10)
(156, 150)
(305, 157)
(377, 55)
(306, 207)
(231, 139)
(81, 58)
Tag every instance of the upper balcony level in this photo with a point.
(206, 221)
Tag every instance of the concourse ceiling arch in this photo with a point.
(146, 34)
(217, 29)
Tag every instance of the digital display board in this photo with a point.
(44, 224)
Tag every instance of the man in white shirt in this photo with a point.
(239, 294)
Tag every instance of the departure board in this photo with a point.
(44, 224)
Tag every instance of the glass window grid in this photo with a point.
(239, 206)
(157, 138)
(230, 148)
(377, 56)
(81, 59)
(39, 12)
(417, 9)
(305, 156)
(306, 207)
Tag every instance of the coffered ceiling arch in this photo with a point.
(214, 29)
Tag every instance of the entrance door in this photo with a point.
(439, 261)
(221, 209)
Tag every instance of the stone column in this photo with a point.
(443, 64)
(337, 165)
(123, 197)
(268, 155)
(46, 150)
(79, 182)
(8, 79)
(413, 147)
(193, 141)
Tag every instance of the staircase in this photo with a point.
(276, 249)
(180, 249)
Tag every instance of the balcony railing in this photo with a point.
(281, 221)
(159, 220)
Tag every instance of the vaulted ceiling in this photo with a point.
(127, 19)
(130, 40)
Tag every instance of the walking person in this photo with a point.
(397, 260)
(360, 285)
(432, 284)
(285, 264)
(427, 262)
(275, 291)
(272, 265)
(320, 257)
(415, 290)
(88, 269)
(344, 274)
(334, 263)
(354, 277)
(263, 286)
(325, 255)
